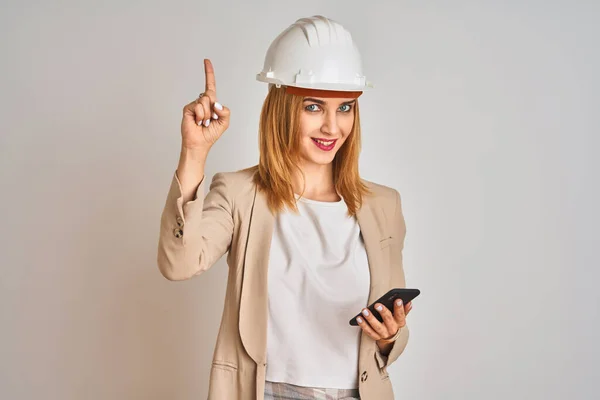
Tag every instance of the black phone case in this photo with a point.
(388, 300)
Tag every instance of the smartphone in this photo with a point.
(388, 300)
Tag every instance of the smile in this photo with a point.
(325, 145)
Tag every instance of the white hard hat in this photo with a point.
(314, 53)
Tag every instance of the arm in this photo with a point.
(196, 231)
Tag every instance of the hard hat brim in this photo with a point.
(322, 93)
(341, 87)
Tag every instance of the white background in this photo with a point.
(484, 117)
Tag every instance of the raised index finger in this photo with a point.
(210, 76)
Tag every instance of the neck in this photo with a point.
(317, 183)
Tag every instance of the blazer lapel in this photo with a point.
(369, 223)
(369, 227)
(254, 296)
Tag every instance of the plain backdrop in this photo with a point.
(484, 116)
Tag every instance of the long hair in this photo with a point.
(279, 142)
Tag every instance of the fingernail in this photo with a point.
(399, 302)
(366, 312)
(359, 319)
(218, 106)
(207, 123)
(199, 122)
(379, 308)
(215, 116)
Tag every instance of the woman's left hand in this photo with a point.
(391, 323)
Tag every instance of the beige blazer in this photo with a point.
(234, 218)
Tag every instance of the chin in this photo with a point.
(320, 159)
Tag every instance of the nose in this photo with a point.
(330, 124)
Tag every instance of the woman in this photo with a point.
(309, 244)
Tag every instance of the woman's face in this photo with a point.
(325, 124)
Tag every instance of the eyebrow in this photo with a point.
(323, 103)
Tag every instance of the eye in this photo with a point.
(307, 108)
(347, 109)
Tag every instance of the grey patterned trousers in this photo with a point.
(285, 391)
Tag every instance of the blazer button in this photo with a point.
(180, 222)
(178, 233)
(364, 376)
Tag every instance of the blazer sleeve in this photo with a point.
(398, 280)
(195, 235)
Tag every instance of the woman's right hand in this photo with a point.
(204, 120)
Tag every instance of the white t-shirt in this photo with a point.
(318, 279)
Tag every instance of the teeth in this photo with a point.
(324, 143)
